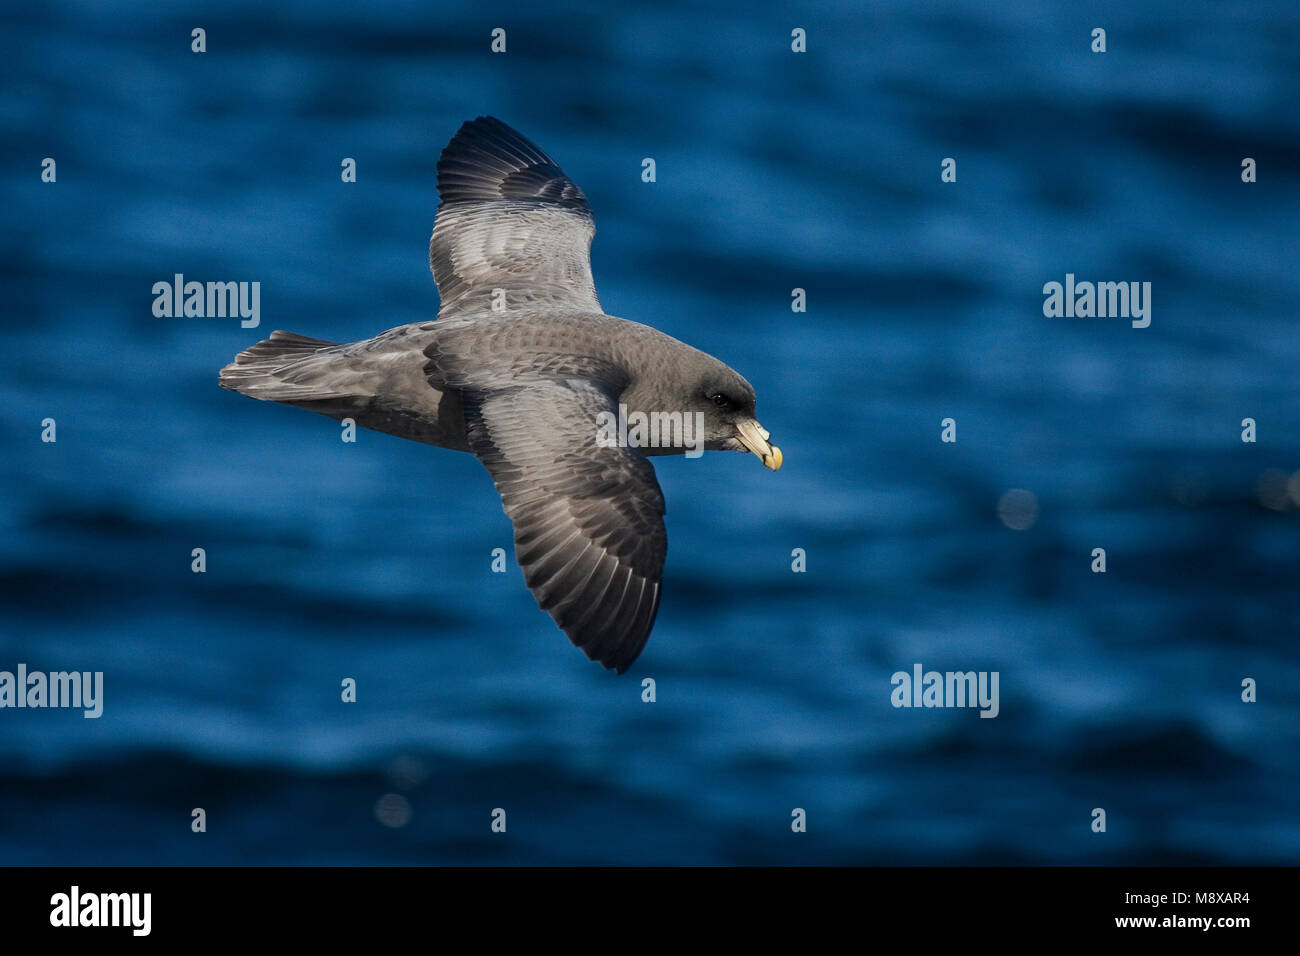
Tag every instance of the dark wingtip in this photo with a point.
(488, 159)
(625, 653)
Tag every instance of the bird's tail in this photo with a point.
(284, 368)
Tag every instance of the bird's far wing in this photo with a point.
(588, 520)
(509, 219)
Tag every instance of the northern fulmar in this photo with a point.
(523, 369)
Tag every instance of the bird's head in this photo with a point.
(714, 395)
(727, 403)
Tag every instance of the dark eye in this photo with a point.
(720, 400)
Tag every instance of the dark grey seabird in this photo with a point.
(522, 386)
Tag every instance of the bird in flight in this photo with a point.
(524, 370)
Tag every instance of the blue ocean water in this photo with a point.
(775, 170)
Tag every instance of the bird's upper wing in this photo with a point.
(509, 219)
(588, 520)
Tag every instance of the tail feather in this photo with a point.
(287, 367)
(379, 383)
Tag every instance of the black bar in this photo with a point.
(333, 904)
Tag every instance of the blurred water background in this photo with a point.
(775, 170)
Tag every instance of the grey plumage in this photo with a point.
(511, 220)
(522, 389)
